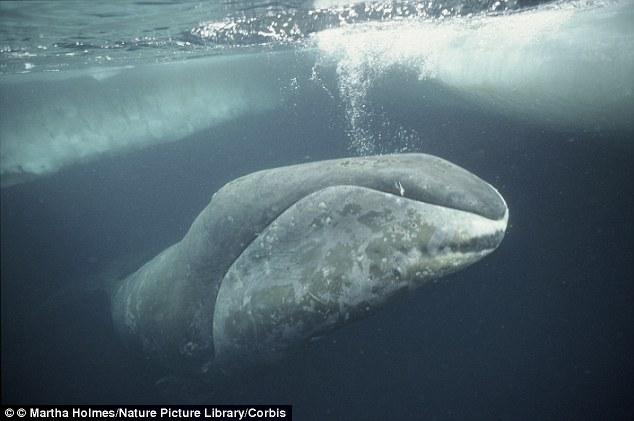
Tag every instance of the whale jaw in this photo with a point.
(333, 257)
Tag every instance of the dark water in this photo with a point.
(541, 329)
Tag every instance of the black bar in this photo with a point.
(159, 412)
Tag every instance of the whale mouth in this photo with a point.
(478, 236)
(484, 234)
(478, 244)
(480, 209)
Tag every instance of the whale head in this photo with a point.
(282, 256)
(344, 251)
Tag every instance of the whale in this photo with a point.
(283, 256)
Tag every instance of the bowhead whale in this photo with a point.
(284, 255)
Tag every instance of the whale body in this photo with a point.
(285, 255)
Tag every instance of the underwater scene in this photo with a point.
(367, 210)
